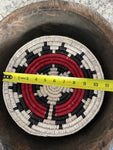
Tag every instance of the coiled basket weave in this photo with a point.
(48, 110)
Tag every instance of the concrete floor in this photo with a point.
(103, 7)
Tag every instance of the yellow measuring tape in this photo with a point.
(72, 82)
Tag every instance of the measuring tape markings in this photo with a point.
(83, 83)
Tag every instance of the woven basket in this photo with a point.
(48, 110)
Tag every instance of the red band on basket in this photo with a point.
(36, 65)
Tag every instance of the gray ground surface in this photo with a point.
(103, 7)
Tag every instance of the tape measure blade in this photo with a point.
(80, 83)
